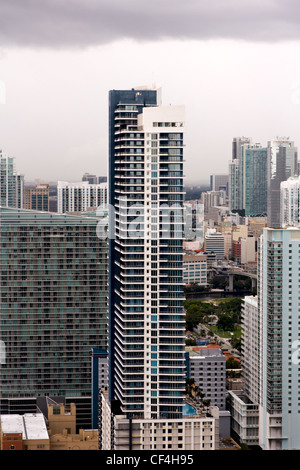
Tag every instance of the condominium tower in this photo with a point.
(53, 271)
(248, 179)
(290, 202)
(254, 180)
(235, 173)
(37, 198)
(11, 183)
(147, 324)
(80, 196)
(278, 325)
(282, 164)
(267, 412)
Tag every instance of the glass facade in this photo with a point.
(53, 272)
(255, 182)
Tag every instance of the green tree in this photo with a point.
(226, 322)
(232, 363)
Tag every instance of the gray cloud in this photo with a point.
(77, 23)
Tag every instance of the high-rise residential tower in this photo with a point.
(37, 198)
(282, 164)
(267, 412)
(278, 338)
(254, 180)
(248, 178)
(237, 142)
(11, 183)
(219, 183)
(53, 271)
(235, 173)
(147, 322)
(80, 196)
(290, 202)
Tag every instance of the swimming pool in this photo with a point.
(188, 409)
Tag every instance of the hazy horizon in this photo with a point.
(233, 65)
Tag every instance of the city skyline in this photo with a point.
(218, 63)
(165, 316)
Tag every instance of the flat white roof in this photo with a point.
(31, 425)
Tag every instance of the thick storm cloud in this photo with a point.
(79, 23)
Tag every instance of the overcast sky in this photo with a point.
(234, 64)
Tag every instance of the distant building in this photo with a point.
(248, 178)
(192, 245)
(254, 181)
(282, 164)
(235, 173)
(219, 183)
(37, 198)
(214, 243)
(92, 179)
(237, 142)
(248, 250)
(78, 197)
(290, 202)
(11, 183)
(195, 268)
(213, 199)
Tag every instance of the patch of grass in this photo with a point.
(227, 334)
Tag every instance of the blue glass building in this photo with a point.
(53, 271)
(255, 181)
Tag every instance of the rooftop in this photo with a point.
(31, 425)
(227, 443)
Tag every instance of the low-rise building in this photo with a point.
(194, 431)
(24, 432)
(195, 268)
(214, 243)
(62, 429)
(37, 198)
(244, 418)
(207, 367)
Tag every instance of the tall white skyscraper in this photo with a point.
(147, 367)
(146, 297)
(235, 173)
(278, 325)
(11, 183)
(79, 196)
(282, 164)
(290, 202)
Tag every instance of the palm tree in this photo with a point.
(206, 403)
(189, 385)
(199, 395)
